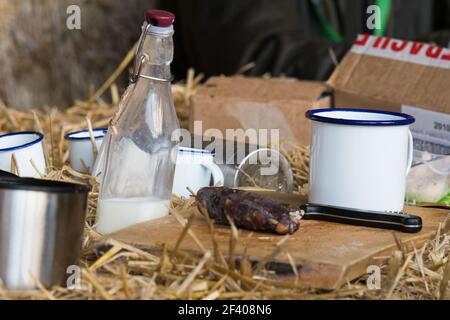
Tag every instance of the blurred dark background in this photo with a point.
(291, 37)
(44, 63)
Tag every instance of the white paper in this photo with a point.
(431, 131)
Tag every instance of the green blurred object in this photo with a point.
(385, 8)
(327, 29)
(330, 32)
(446, 199)
(418, 199)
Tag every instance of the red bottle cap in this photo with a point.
(159, 18)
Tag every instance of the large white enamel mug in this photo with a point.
(360, 158)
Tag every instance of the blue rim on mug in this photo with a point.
(196, 151)
(39, 138)
(405, 119)
(70, 136)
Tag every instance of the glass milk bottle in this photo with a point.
(140, 151)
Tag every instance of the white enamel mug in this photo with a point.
(360, 158)
(27, 150)
(81, 153)
(195, 169)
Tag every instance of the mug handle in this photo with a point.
(218, 177)
(410, 152)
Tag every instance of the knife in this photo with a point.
(398, 221)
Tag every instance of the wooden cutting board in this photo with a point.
(326, 254)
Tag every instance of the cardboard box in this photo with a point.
(403, 76)
(245, 103)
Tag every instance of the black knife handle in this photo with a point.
(392, 221)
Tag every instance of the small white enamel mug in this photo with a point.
(81, 153)
(27, 150)
(194, 169)
(360, 158)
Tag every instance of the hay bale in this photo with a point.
(44, 63)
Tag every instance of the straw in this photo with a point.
(126, 61)
(14, 166)
(126, 271)
(33, 164)
(92, 137)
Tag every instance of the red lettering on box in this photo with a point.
(386, 43)
(362, 39)
(416, 47)
(446, 56)
(402, 50)
(399, 45)
(377, 42)
(433, 52)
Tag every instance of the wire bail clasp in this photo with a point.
(141, 58)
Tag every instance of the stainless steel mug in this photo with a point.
(41, 228)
